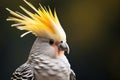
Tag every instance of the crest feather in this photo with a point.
(41, 23)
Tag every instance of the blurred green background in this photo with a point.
(93, 34)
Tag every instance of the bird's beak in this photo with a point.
(64, 46)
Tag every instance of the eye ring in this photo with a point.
(51, 42)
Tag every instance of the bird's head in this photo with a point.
(51, 38)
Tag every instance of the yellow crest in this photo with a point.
(41, 23)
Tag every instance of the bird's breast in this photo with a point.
(51, 69)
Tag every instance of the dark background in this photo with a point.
(93, 34)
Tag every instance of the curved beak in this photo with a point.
(64, 46)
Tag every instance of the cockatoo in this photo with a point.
(46, 60)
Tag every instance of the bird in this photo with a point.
(46, 60)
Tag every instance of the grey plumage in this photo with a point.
(42, 64)
(72, 75)
(24, 72)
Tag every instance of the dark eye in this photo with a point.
(51, 42)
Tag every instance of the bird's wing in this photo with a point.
(24, 72)
(72, 75)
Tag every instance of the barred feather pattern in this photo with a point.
(23, 72)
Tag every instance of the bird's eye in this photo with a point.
(51, 42)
